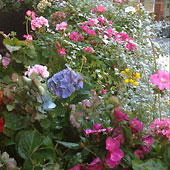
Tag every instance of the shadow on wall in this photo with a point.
(11, 21)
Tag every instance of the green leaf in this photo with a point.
(151, 164)
(69, 145)
(29, 142)
(45, 123)
(14, 121)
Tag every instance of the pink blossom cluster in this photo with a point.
(38, 69)
(99, 9)
(148, 140)
(114, 154)
(120, 116)
(124, 37)
(30, 14)
(161, 79)
(76, 37)
(61, 26)
(161, 126)
(38, 22)
(89, 50)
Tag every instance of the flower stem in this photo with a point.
(160, 110)
(27, 27)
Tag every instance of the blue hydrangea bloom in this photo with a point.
(65, 82)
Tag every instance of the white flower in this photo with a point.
(130, 9)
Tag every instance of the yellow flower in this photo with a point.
(127, 70)
(123, 72)
(167, 101)
(131, 80)
(138, 75)
(135, 83)
(127, 81)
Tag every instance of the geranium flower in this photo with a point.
(120, 116)
(1, 124)
(97, 128)
(28, 37)
(100, 9)
(88, 49)
(61, 26)
(161, 79)
(76, 37)
(38, 69)
(139, 153)
(38, 22)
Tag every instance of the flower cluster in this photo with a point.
(136, 125)
(161, 79)
(65, 82)
(114, 154)
(76, 37)
(61, 51)
(131, 76)
(120, 116)
(38, 22)
(38, 69)
(99, 9)
(62, 26)
(42, 5)
(161, 126)
(28, 37)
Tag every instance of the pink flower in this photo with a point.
(114, 154)
(61, 51)
(61, 26)
(88, 49)
(38, 69)
(161, 79)
(58, 45)
(97, 164)
(6, 61)
(161, 126)
(130, 46)
(101, 9)
(139, 153)
(120, 116)
(136, 125)
(29, 13)
(97, 128)
(103, 92)
(77, 167)
(38, 22)
(28, 37)
(91, 32)
(76, 37)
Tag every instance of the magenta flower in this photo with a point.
(97, 164)
(120, 116)
(38, 69)
(97, 128)
(6, 61)
(77, 167)
(88, 49)
(136, 125)
(139, 153)
(161, 79)
(114, 154)
(76, 37)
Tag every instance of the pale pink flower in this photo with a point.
(38, 22)
(29, 13)
(61, 26)
(28, 37)
(161, 79)
(38, 69)
(101, 9)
